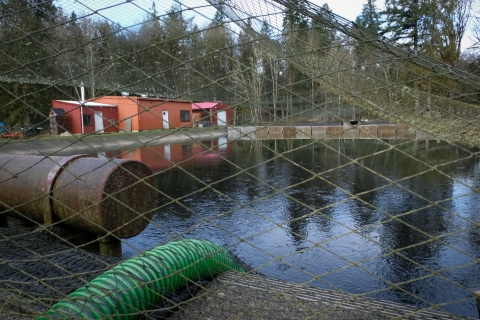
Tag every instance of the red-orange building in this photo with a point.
(88, 117)
(215, 113)
(143, 113)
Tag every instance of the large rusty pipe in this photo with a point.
(116, 196)
(101, 196)
(26, 181)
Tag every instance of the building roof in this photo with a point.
(161, 99)
(204, 105)
(89, 103)
(58, 111)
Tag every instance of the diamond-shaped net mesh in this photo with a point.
(337, 168)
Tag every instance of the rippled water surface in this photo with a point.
(358, 216)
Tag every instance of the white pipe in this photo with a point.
(82, 90)
(81, 116)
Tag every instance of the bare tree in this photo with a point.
(249, 83)
(450, 19)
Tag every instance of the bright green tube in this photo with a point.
(140, 283)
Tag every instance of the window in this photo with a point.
(87, 119)
(185, 115)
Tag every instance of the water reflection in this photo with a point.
(161, 157)
(360, 215)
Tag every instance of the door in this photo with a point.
(165, 119)
(222, 117)
(98, 122)
(128, 125)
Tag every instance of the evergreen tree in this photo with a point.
(23, 32)
(217, 55)
(65, 37)
(218, 18)
(370, 20)
(266, 29)
(295, 37)
(148, 56)
(370, 17)
(405, 21)
(245, 46)
(176, 47)
(321, 36)
(26, 55)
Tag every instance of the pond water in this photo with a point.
(399, 224)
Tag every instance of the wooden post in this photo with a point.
(110, 246)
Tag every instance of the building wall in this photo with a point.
(146, 113)
(110, 118)
(74, 114)
(150, 113)
(204, 115)
(86, 127)
(127, 109)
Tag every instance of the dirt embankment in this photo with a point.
(93, 144)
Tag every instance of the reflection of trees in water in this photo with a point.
(298, 223)
(419, 186)
(400, 192)
(309, 192)
(415, 225)
(310, 176)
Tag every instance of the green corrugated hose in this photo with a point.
(139, 284)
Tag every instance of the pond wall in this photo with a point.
(345, 131)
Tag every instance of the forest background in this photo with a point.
(47, 52)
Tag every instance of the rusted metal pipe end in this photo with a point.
(114, 197)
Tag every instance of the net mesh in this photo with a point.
(340, 168)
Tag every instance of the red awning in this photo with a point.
(204, 105)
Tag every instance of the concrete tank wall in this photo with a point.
(345, 131)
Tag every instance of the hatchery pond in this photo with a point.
(400, 224)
